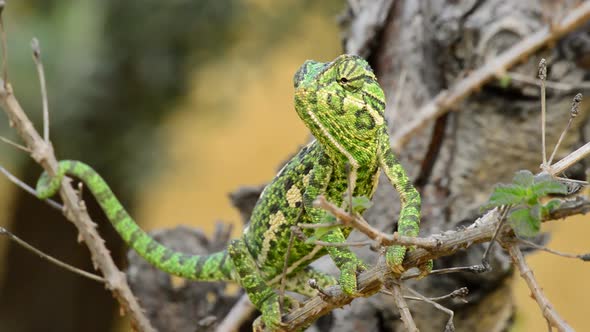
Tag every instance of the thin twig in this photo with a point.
(29, 189)
(41, 72)
(537, 293)
(285, 268)
(542, 77)
(321, 225)
(471, 269)
(344, 244)
(14, 144)
(557, 86)
(583, 257)
(446, 100)
(484, 260)
(3, 41)
(574, 110)
(450, 326)
(364, 227)
(4, 231)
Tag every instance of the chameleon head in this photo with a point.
(341, 103)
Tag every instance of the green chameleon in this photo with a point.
(342, 104)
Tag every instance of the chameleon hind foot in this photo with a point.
(394, 258)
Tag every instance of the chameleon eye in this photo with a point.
(343, 80)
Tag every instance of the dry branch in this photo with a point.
(445, 100)
(42, 153)
(537, 293)
(370, 281)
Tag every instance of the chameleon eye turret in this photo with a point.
(342, 104)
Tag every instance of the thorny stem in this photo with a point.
(55, 261)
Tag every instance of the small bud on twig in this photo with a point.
(543, 69)
(576, 105)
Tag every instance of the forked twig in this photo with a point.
(449, 326)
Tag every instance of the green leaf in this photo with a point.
(361, 203)
(504, 81)
(523, 178)
(545, 186)
(506, 194)
(526, 221)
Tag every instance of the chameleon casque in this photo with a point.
(343, 105)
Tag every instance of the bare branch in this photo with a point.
(527, 274)
(542, 77)
(396, 291)
(28, 189)
(445, 100)
(55, 261)
(583, 257)
(557, 86)
(450, 326)
(370, 281)
(364, 227)
(41, 72)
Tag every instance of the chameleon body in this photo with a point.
(343, 105)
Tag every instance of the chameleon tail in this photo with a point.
(214, 267)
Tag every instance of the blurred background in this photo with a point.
(176, 104)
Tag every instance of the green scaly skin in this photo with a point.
(342, 104)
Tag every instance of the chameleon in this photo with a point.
(343, 106)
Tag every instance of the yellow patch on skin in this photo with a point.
(306, 179)
(275, 221)
(293, 196)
